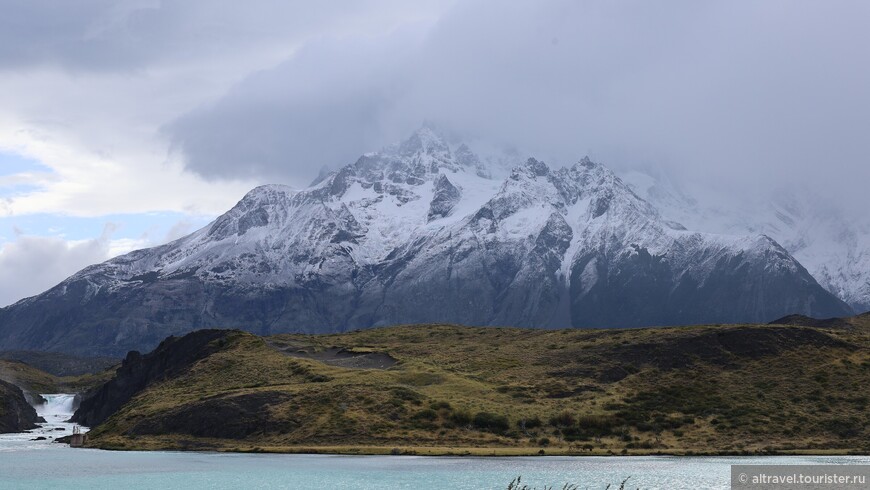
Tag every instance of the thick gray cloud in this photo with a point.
(742, 93)
(325, 106)
(140, 34)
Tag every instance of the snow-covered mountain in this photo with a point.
(832, 242)
(424, 231)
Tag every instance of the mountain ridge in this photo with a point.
(422, 232)
(831, 241)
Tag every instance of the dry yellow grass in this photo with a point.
(688, 390)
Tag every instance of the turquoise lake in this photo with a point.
(29, 464)
(62, 467)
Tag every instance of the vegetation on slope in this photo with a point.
(449, 389)
(33, 381)
(60, 364)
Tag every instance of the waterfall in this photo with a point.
(57, 407)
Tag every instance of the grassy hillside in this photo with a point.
(35, 381)
(28, 378)
(60, 364)
(440, 389)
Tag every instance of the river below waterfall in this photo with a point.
(57, 409)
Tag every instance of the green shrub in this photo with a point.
(573, 434)
(440, 405)
(563, 419)
(599, 425)
(491, 422)
(531, 423)
(426, 414)
(843, 427)
(460, 418)
(406, 395)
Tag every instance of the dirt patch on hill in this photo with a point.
(341, 357)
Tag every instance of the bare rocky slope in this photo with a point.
(16, 415)
(424, 231)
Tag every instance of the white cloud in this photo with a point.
(127, 179)
(85, 87)
(32, 264)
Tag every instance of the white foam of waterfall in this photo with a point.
(58, 407)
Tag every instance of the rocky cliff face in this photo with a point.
(16, 415)
(172, 357)
(424, 232)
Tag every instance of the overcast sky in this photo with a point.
(124, 124)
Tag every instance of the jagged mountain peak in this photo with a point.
(605, 191)
(417, 161)
(256, 209)
(590, 175)
(426, 140)
(532, 168)
(268, 192)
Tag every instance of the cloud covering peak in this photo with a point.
(741, 93)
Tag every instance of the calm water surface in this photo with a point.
(30, 464)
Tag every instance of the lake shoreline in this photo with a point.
(499, 452)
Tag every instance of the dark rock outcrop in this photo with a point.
(225, 417)
(445, 198)
(805, 321)
(726, 348)
(16, 415)
(173, 356)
